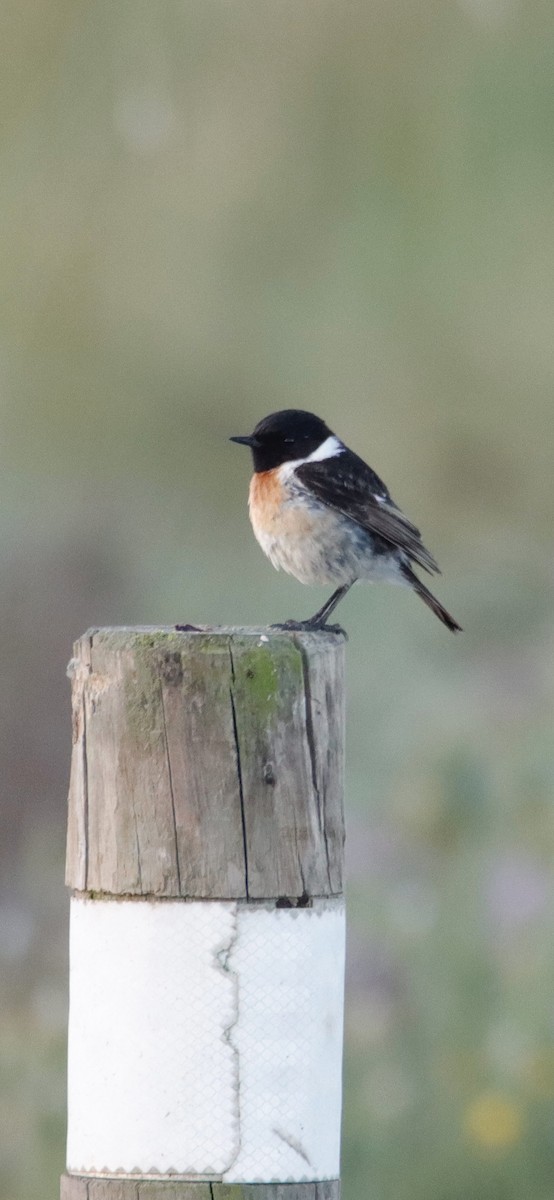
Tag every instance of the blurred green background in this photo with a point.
(210, 210)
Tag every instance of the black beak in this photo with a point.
(244, 441)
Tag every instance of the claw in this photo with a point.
(292, 625)
(307, 627)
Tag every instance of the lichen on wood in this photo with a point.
(207, 764)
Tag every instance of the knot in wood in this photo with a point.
(172, 667)
(269, 776)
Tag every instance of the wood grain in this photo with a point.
(75, 1187)
(330, 1190)
(207, 765)
(287, 696)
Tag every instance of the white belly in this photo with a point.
(313, 542)
(318, 546)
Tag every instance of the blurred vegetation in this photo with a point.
(208, 211)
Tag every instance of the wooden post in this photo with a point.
(205, 858)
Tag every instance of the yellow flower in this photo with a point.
(493, 1121)
(539, 1074)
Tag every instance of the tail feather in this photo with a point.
(430, 600)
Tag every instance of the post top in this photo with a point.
(128, 635)
(224, 630)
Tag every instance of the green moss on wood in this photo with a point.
(267, 673)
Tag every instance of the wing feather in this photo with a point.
(347, 484)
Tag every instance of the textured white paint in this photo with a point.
(290, 963)
(151, 1078)
(205, 1038)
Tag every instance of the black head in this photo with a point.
(283, 437)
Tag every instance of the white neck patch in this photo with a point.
(327, 449)
(330, 448)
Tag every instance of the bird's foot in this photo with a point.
(296, 626)
(188, 629)
(309, 626)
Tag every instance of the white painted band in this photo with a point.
(205, 1039)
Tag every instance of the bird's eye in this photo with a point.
(289, 441)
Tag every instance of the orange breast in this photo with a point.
(265, 499)
(298, 533)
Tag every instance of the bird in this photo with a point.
(320, 513)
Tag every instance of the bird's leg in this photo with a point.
(319, 619)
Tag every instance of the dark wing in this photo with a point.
(347, 484)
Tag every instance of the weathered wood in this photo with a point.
(173, 1191)
(77, 831)
(207, 764)
(119, 1189)
(287, 698)
(75, 1187)
(330, 1190)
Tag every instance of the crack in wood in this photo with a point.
(85, 786)
(137, 843)
(171, 791)
(239, 769)
(77, 1187)
(311, 740)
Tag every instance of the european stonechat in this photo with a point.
(319, 512)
